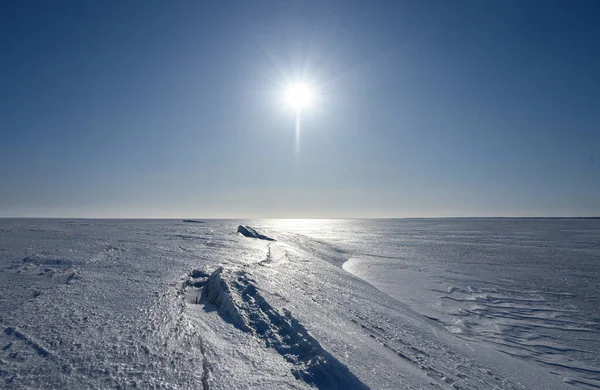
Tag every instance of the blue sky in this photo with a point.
(176, 109)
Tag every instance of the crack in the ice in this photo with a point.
(268, 258)
(205, 366)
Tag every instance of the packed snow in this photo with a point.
(331, 304)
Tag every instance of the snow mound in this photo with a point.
(239, 301)
(252, 233)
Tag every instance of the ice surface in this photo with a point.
(150, 304)
(528, 287)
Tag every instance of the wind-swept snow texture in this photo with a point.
(468, 304)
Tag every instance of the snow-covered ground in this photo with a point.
(447, 304)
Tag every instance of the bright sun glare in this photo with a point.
(299, 96)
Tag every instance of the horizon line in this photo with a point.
(307, 218)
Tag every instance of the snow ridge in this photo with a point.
(252, 233)
(239, 301)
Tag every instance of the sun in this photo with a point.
(299, 95)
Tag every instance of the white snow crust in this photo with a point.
(169, 304)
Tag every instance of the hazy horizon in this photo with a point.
(197, 218)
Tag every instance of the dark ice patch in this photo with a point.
(250, 232)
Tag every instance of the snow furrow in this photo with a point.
(37, 347)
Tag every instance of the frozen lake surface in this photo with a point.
(328, 304)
